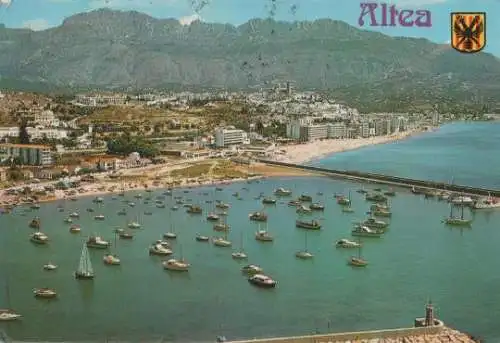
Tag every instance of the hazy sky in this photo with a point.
(41, 14)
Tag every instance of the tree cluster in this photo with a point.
(126, 144)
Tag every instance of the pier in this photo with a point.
(425, 330)
(388, 179)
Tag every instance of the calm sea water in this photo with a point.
(419, 258)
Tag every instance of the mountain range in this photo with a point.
(106, 49)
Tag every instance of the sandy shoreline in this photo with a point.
(308, 152)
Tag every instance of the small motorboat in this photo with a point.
(303, 209)
(345, 243)
(304, 255)
(68, 220)
(221, 242)
(258, 216)
(8, 315)
(212, 217)
(282, 192)
(294, 203)
(45, 293)
(201, 238)
(357, 262)
(39, 238)
(269, 201)
(125, 235)
(49, 266)
(97, 242)
(170, 235)
(74, 215)
(111, 260)
(261, 280)
(90, 210)
(222, 227)
(134, 225)
(158, 249)
(131, 204)
(98, 200)
(122, 213)
(239, 255)
(163, 243)
(317, 207)
(75, 228)
(35, 223)
(251, 269)
(99, 217)
(263, 236)
(176, 265)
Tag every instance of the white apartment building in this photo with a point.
(337, 130)
(313, 132)
(364, 129)
(34, 132)
(100, 100)
(230, 136)
(47, 119)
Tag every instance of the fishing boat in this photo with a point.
(374, 224)
(258, 216)
(269, 201)
(303, 210)
(158, 249)
(294, 203)
(263, 281)
(201, 238)
(305, 198)
(75, 228)
(304, 254)
(452, 220)
(357, 261)
(282, 192)
(312, 225)
(222, 242)
(364, 231)
(194, 209)
(317, 207)
(347, 244)
(39, 238)
(251, 269)
(100, 217)
(85, 270)
(49, 267)
(212, 217)
(96, 242)
(35, 223)
(122, 212)
(74, 215)
(45, 293)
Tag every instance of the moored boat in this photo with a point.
(176, 265)
(35, 223)
(158, 249)
(251, 269)
(375, 197)
(111, 260)
(97, 242)
(49, 266)
(282, 192)
(294, 203)
(486, 203)
(374, 224)
(212, 217)
(7, 315)
(100, 217)
(194, 209)
(305, 198)
(261, 280)
(269, 201)
(45, 293)
(343, 200)
(85, 270)
(125, 235)
(312, 225)
(258, 216)
(263, 236)
(364, 231)
(75, 228)
(39, 238)
(201, 238)
(345, 243)
(134, 225)
(317, 207)
(303, 209)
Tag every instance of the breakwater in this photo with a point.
(388, 179)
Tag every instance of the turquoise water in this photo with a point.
(466, 152)
(419, 258)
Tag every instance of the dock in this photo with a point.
(389, 180)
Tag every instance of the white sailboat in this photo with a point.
(240, 255)
(6, 314)
(304, 254)
(112, 259)
(85, 270)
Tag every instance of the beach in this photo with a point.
(302, 153)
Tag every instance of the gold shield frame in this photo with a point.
(468, 31)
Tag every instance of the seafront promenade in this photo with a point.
(388, 179)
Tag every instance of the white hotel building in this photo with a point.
(225, 137)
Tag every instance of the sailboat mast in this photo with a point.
(305, 241)
(462, 205)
